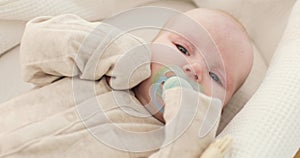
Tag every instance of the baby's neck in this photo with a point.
(145, 100)
(140, 95)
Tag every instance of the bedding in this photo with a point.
(11, 82)
(10, 34)
(270, 120)
(91, 10)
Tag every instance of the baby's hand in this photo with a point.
(191, 119)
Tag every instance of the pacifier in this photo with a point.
(170, 77)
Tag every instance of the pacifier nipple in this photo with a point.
(176, 81)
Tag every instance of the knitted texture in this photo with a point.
(90, 9)
(269, 124)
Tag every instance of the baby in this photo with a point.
(208, 49)
(220, 67)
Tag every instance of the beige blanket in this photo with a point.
(75, 112)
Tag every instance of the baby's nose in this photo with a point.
(193, 71)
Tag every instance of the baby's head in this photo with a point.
(210, 47)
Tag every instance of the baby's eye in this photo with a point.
(215, 77)
(182, 49)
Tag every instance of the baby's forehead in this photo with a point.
(213, 21)
(185, 28)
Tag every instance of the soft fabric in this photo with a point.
(71, 46)
(14, 14)
(11, 82)
(81, 117)
(269, 124)
(10, 34)
(45, 122)
(91, 10)
(36, 125)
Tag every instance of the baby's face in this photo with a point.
(209, 46)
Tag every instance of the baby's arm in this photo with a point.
(66, 45)
(191, 122)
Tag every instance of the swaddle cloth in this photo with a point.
(66, 45)
(45, 123)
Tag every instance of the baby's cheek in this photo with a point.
(207, 90)
(218, 92)
(212, 89)
(206, 86)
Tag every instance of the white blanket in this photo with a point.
(269, 124)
